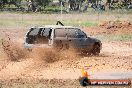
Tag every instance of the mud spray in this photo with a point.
(16, 52)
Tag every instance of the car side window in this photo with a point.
(45, 32)
(60, 32)
(72, 33)
(69, 32)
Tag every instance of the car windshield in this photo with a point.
(81, 34)
(33, 31)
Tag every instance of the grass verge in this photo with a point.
(120, 37)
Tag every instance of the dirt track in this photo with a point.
(115, 56)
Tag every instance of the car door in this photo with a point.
(73, 41)
(46, 32)
(60, 36)
(77, 38)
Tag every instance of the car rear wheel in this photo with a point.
(58, 46)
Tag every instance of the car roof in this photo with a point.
(54, 26)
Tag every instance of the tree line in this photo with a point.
(69, 5)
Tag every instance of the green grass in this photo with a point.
(24, 20)
(88, 23)
(80, 23)
(53, 9)
(39, 22)
(121, 37)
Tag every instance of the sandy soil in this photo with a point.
(34, 71)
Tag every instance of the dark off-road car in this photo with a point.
(62, 37)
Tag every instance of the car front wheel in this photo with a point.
(96, 49)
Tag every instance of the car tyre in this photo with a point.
(96, 49)
(59, 45)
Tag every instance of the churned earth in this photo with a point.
(44, 68)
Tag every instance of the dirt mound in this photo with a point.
(111, 27)
(116, 27)
(116, 24)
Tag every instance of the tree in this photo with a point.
(43, 2)
(35, 5)
(17, 3)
